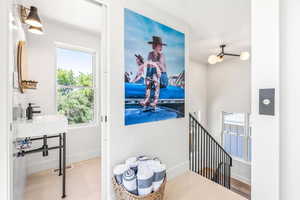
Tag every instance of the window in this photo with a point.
(75, 81)
(236, 135)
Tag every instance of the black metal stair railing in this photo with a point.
(207, 157)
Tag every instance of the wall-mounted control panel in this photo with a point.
(267, 101)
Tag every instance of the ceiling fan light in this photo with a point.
(245, 55)
(212, 59)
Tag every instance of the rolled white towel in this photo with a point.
(156, 185)
(143, 158)
(144, 179)
(152, 163)
(130, 181)
(132, 163)
(157, 159)
(159, 171)
(146, 161)
(118, 172)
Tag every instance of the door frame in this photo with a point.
(104, 98)
(6, 90)
(5, 102)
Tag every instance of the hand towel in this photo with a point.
(130, 181)
(132, 164)
(159, 171)
(144, 180)
(118, 172)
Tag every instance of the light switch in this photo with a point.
(267, 101)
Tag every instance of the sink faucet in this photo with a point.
(30, 111)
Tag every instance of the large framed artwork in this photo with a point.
(154, 70)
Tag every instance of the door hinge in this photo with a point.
(104, 118)
(10, 127)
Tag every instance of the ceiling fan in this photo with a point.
(213, 59)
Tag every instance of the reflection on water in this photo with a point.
(135, 114)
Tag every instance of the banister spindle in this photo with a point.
(207, 157)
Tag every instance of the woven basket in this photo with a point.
(123, 194)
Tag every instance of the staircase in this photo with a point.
(207, 157)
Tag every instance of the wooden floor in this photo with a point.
(192, 186)
(241, 188)
(83, 183)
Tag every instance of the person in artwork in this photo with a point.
(156, 74)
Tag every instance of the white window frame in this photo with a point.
(95, 87)
(247, 136)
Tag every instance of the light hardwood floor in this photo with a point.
(241, 188)
(192, 186)
(82, 183)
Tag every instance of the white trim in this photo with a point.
(241, 160)
(241, 178)
(83, 125)
(105, 102)
(68, 46)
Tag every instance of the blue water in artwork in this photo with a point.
(133, 90)
(136, 114)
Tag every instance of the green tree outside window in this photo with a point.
(75, 96)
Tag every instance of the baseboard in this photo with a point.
(241, 178)
(177, 170)
(38, 166)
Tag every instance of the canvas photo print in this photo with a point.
(154, 70)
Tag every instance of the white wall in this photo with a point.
(229, 90)
(289, 100)
(82, 143)
(18, 167)
(166, 139)
(198, 90)
(265, 74)
(4, 102)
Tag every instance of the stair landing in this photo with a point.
(191, 186)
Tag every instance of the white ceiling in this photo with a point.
(212, 22)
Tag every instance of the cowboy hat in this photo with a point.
(157, 40)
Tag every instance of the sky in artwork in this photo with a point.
(139, 31)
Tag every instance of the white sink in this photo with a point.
(41, 125)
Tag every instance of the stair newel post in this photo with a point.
(198, 156)
(190, 141)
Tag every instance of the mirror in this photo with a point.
(22, 68)
(20, 63)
